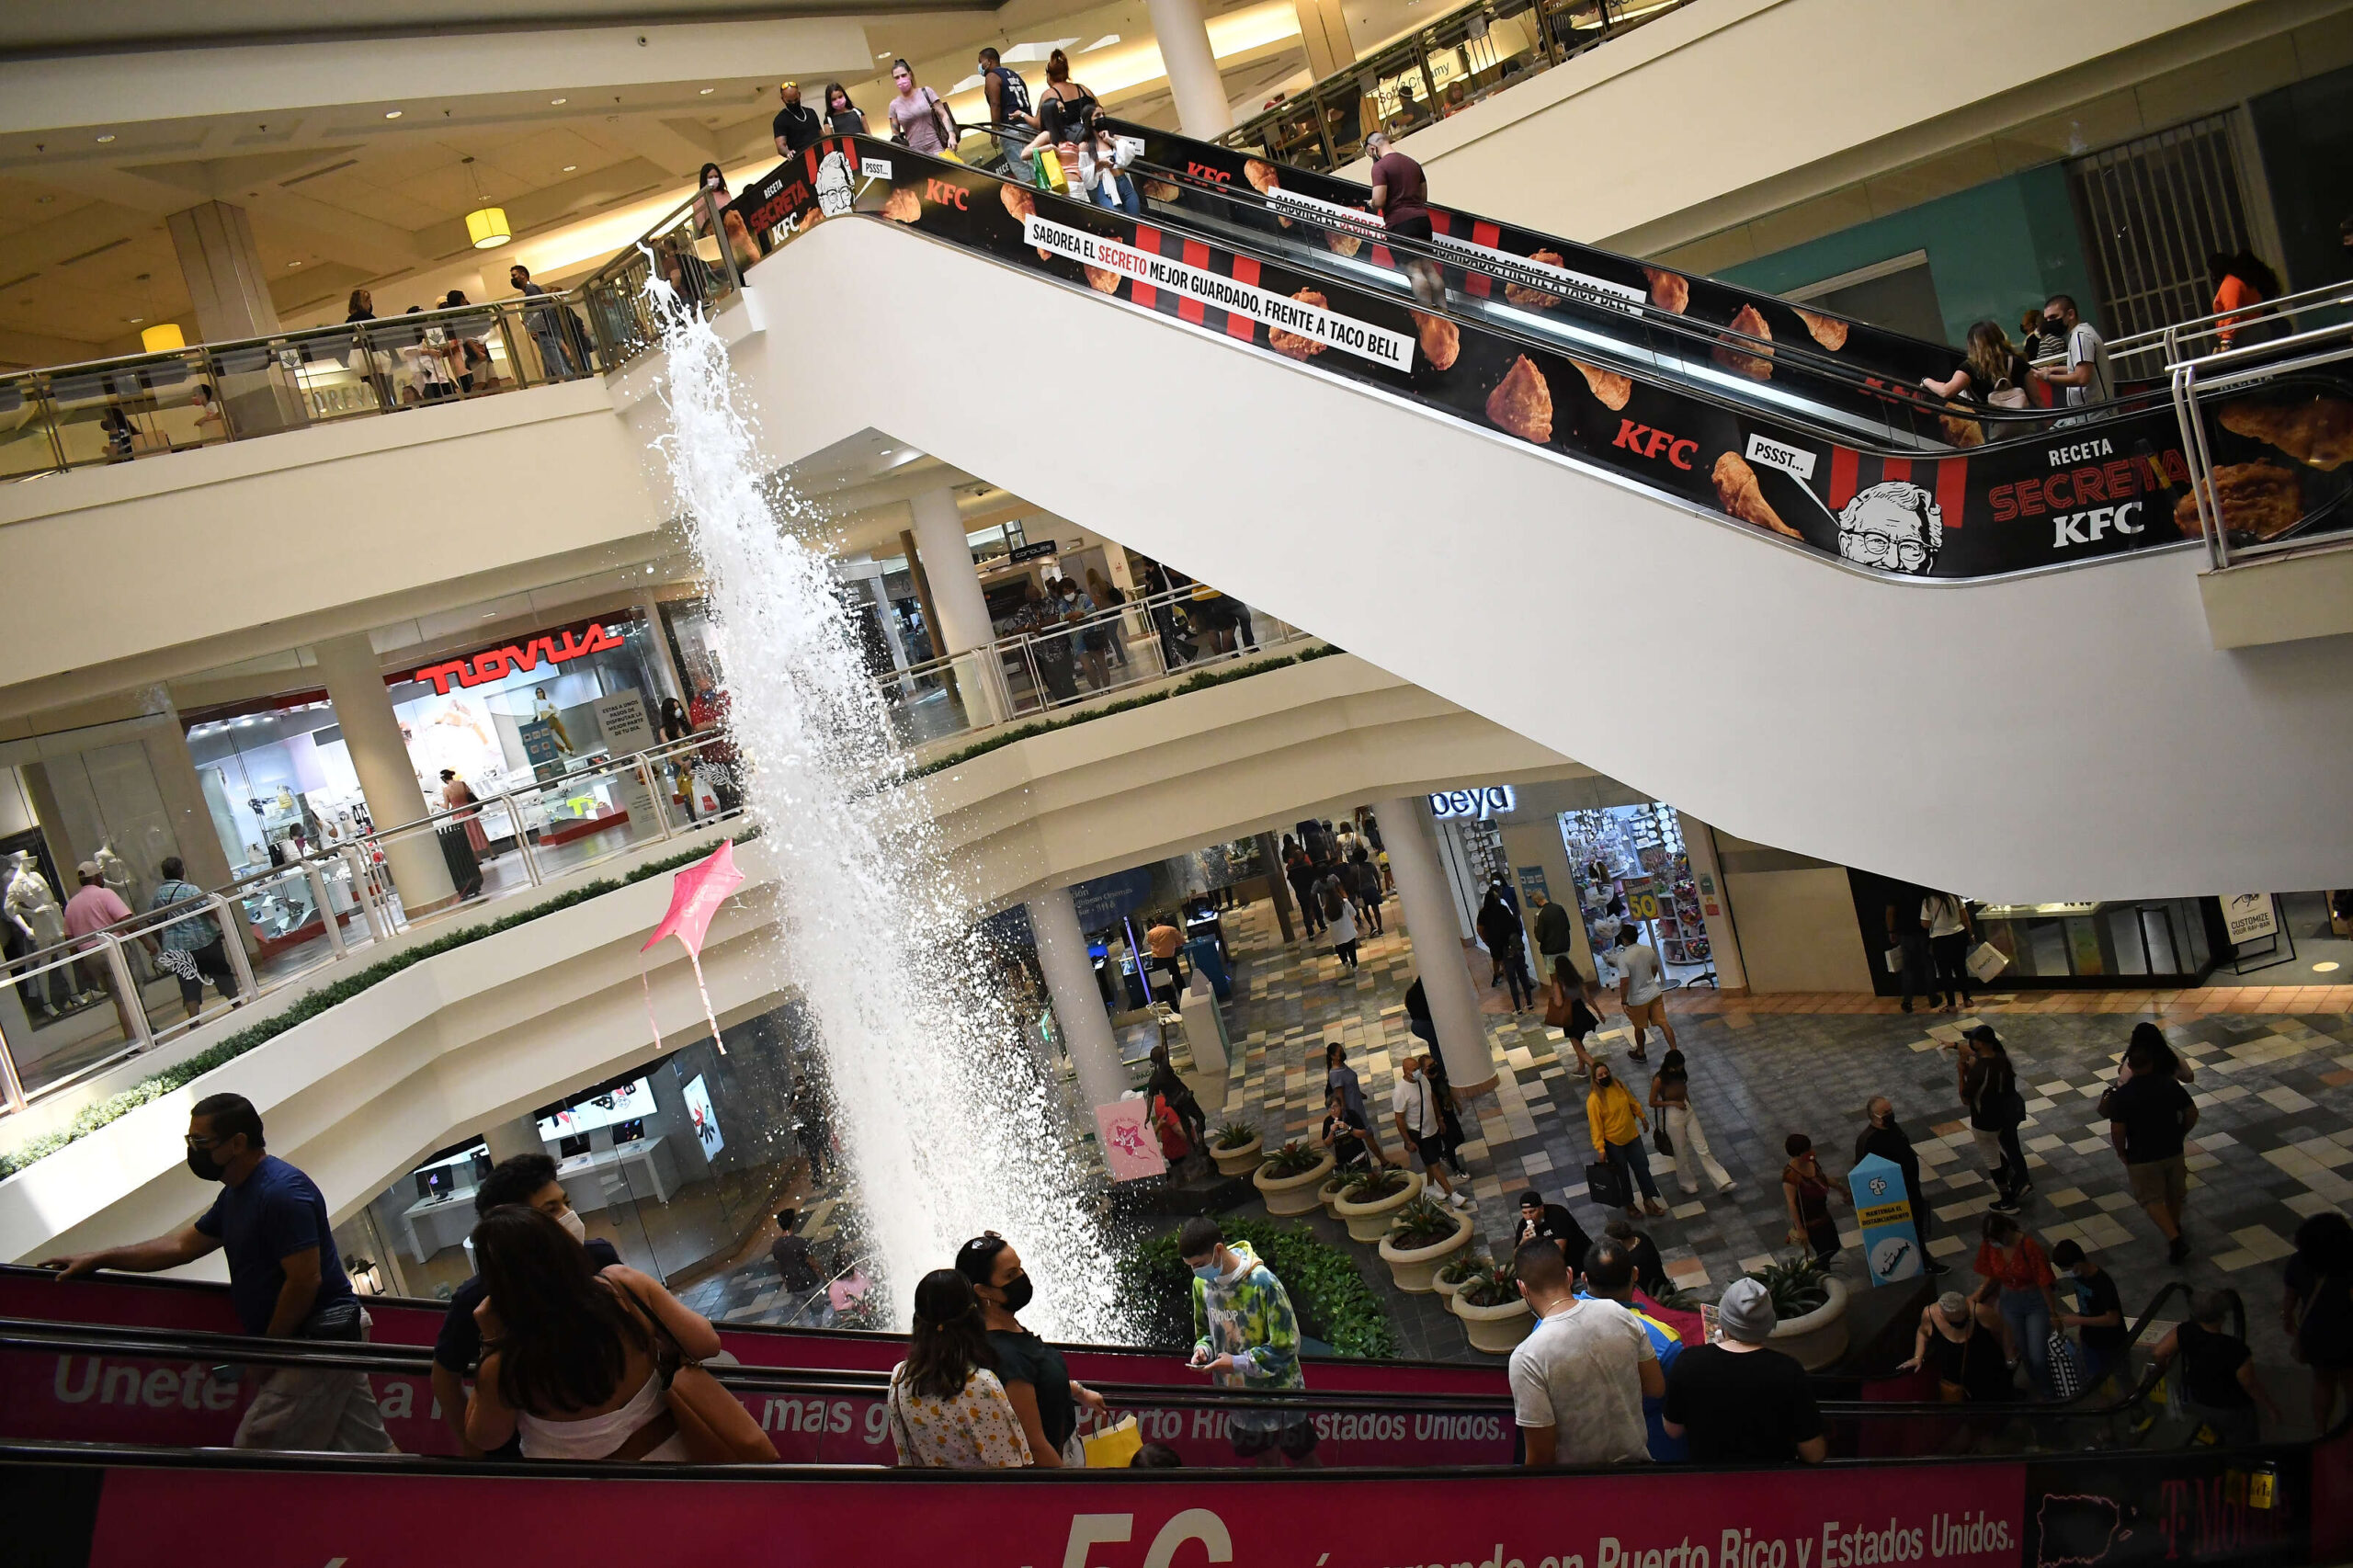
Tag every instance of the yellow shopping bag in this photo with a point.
(1050, 167)
(1115, 1446)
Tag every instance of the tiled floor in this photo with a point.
(2274, 1141)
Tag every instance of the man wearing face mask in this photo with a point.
(285, 1281)
(525, 1181)
(1247, 1337)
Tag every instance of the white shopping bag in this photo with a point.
(1986, 962)
(1896, 960)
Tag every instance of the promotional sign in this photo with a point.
(1037, 550)
(1492, 800)
(1884, 1210)
(2249, 916)
(540, 748)
(1129, 1145)
(1934, 501)
(1532, 882)
(704, 1118)
(623, 720)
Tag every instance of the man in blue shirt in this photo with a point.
(285, 1281)
(1609, 1275)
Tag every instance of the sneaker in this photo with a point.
(1935, 1268)
(1907, 1006)
(2004, 1206)
(1460, 1200)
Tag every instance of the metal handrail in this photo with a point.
(2191, 379)
(2170, 336)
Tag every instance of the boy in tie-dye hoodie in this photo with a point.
(1247, 1337)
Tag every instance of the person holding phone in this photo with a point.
(1247, 1337)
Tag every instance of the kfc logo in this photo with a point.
(1893, 527)
(833, 185)
(1202, 171)
(1644, 441)
(940, 195)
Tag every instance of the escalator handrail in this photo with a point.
(1709, 337)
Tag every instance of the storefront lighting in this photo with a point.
(163, 337)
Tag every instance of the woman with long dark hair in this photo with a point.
(2241, 281)
(843, 118)
(1044, 1396)
(947, 1410)
(568, 1353)
(1989, 1088)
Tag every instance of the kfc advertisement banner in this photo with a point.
(2074, 493)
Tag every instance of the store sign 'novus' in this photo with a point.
(495, 663)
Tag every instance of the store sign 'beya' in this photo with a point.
(494, 663)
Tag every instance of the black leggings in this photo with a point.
(1953, 964)
(1345, 952)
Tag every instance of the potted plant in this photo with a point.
(1450, 1274)
(1493, 1311)
(1329, 1193)
(1290, 1176)
(1811, 1301)
(1235, 1147)
(1371, 1199)
(1423, 1234)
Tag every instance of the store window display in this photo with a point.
(1631, 869)
(39, 921)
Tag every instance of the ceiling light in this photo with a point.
(557, 103)
(107, 137)
(486, 226)
(293, 264)
(569, 167)
(163, 337)
(884, 55)
(391, 114)
(707, 92)
(134, 319)
(43, 200)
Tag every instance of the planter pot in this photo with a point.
(1445, 1288)
(1416, 1268)
(1370, 1221)
(1294, 1194)
(1818, 1339)
(1236, 1162)
(1495, 1330)
(1328, 1194)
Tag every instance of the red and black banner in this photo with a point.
(1702, 427)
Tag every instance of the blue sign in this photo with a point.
(540, 748)
(1104, 901)
(1891, 1241)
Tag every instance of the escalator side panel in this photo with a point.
(2082, 492)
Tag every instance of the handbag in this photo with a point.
(1115, 1446)
(1986, 962)
(715, 1425)
(1661, 1141)
(1556, 1008)
(2066, 1370)
(1609, 1185)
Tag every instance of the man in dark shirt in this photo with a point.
(2099, 1317)
(528, 1180)
(2219, 1383)
(1737, 1401)
(1400, 197)
(794, 126)
(1554, 1224)
(1886, 1139)
(2149, 1119)
(285, 1281)
(1553, 937)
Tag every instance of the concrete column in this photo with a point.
(962, 610)
(1078, 1002)
(1323, 33)
(922, 588)
(176, 779)
(509, 1138)
(888, 617)
(355, 683)
(1193, 80)
(666, 669)
(1715, 907)
(225, 280)
(1429, 907)
(1270, 855)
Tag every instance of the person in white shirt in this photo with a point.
(2088, 377)
(1946, 920)
(1413, 1107)
(1578, 1379)
(1640, 990)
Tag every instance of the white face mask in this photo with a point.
(573, 1225)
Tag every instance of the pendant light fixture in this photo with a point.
(164, 337)
(486, 225)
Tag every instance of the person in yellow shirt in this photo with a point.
(1616, 1121)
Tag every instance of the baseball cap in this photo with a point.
(90, 869)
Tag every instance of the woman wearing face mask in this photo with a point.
(1618, 1126)
(714, 216)
(1045, 1396)
(918, 117)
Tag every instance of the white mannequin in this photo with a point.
(31, 906)
(111, 870)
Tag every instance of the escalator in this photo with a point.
(126, 1455)
(1748, 512)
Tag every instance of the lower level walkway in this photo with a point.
(2274, 1087)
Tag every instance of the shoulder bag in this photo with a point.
(716, 1426)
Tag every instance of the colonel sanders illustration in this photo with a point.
(833, 185)
(1894, 526)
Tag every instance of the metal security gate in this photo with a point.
(2151, 210)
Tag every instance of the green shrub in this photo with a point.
(1424, 1222)
(1795, 1283)
(1234, 1135)
(1463, 1265)
(1295, 1158)
(1497, 1285)
(1375, 1183)
(1332, 1299)
(181, 1073)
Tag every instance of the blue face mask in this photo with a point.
(1208, 1273)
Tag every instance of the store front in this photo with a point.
(1629, 865)
(2136, 943)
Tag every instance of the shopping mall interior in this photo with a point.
(1186, 610)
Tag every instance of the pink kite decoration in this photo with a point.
(696, 894)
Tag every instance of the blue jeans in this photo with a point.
(2028, 1316)
(1637, 1154)
(1121, 197)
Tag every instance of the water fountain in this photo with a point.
(951, 1125)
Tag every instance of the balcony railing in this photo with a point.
(91, 1002)
(1437, 71)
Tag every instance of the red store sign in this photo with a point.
(495, 663)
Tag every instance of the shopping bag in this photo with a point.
(2066, 1370)
(1896, 960)
(1115, 1446)
(1609, 1185)
(1986, 962)
(1050, 170)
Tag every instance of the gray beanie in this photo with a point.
(1746, 1313)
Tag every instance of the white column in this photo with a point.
(1079, 1001)
(962, 609)
(224, 271)
(1429, 907)
(1193, 79)
(1715, 908)
(509, 1138)
(355, 683)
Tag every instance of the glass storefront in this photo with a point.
(1630, 866)
(278, 783)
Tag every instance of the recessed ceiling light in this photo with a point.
(43, 200)
(106, 137)
(707, 92)
(391, 114)
(554, 102)
(134, 319)
(884, 55)
(293, 264)
(569, 167)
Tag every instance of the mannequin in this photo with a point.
(32, 908)
(544, 712)
(117, 874)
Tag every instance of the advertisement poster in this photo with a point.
(1883, 1213)
(704, 1118)
(540, 748)
(1128, 1145)
(2250, 917)
(621, 719)
(1921, 496)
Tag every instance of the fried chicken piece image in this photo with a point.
(1960, 432)
(1828, 331)
(1670, 291)
(2318, 433)
(1442, 340)
(1611, 388)
(1741, 497)
(1161, 191)
(1737, 359)
(1291, 343)
(2261, 499)
(1342, 243)
(1536, 298)
(1102, 278)
(1264, 177)
(1522, 403)
(1021, 203)
(903, 207)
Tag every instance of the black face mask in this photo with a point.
(1017, 1291)
(201, 1163)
